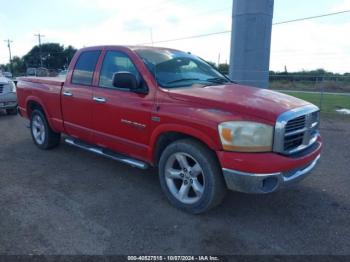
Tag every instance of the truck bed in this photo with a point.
(57, 80)
(44, 91)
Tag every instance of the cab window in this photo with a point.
(85, 67)
(114, 62)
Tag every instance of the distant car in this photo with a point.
(63, 73)
(7, 74)
(40, 71)
(8, 98)
(31, 71)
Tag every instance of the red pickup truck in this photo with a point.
(148, 106)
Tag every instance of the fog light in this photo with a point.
(269, 184)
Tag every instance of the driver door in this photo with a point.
(121, 118)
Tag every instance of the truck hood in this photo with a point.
(256, 102)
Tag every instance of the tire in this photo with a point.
(43, 136)
(197, 188)
(11, 111)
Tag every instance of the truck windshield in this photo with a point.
(173, 69)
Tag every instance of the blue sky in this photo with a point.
(304, 45)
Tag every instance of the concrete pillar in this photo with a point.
(251, 41)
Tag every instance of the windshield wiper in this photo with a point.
(182, 79)
(218, 80)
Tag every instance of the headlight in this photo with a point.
(243, 136)
(12, 86)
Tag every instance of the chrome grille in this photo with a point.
(296, 130)
(293, 141)
(295, 124)
(294, 133)
(1, 88)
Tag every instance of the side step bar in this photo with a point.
(106, 153)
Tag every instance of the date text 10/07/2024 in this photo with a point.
(173, 258)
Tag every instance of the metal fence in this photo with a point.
(330, 93)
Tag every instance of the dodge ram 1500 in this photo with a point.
(148, 106)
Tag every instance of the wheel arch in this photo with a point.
(34, 103)
(167, 135)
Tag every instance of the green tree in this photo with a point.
(18, 66)
(68, 55)
(4, 67)
(54, 56)
(224, 69)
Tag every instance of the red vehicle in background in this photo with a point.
(147, 106)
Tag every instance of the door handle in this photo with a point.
(67, 93)
(99, 99)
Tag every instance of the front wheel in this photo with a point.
(43, 136)
(191, 177)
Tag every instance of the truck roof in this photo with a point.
(59, 80)
(131, 47)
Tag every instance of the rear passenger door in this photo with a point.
(77, 96)
(121, 118)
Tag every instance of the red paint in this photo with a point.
(265, 163)
(192, 111)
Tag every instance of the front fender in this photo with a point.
(182, 129)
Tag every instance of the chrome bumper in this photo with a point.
(8, 100)
(264, 183)
(8, 105)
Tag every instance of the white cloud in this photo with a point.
(303, 45)
(310, 45)
(168, 21)
(341, 6)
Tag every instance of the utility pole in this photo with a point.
(8, 41)
(40, 55)
(151, 34)
(219, 60)
(251, 41)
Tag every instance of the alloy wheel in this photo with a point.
(184, 178)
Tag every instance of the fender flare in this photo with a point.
(37, 100)
(189, 131)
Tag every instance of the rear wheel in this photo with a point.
(191, 177)
(11, 111)
(43, 136)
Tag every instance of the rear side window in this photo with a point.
(85, 67)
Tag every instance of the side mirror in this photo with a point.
(125, 80)
(129, 81)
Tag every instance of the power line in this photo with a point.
(311, 17)
(229, 31)
(189, 37)
(193, 15)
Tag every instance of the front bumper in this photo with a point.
(8, 105)
(8, 101)
(260, 173)
(265, 183)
